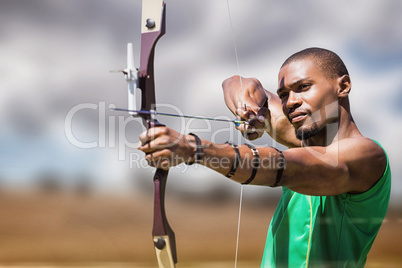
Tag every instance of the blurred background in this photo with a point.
(73, 188)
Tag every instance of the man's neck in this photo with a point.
(344, 127)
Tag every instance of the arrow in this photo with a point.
(153, 112)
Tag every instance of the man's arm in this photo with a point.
(249, 91)
(351, 165)
(280, 129)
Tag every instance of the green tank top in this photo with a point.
(326, 231)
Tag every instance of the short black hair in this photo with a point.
(328, 61)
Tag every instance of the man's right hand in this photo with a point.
(248, 100)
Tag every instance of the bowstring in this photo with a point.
(245, 132)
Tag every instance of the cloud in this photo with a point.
(57, 54)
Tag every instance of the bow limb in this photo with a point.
(163, 235)
(153, 27)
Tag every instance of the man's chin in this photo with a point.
(305, 133)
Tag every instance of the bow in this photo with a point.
(153, 27)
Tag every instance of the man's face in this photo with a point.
(309, 98)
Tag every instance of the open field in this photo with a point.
(66, 231)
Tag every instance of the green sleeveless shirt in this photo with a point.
(326, 231)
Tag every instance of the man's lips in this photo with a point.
(297, 116)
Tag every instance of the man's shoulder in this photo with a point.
(361, 147)
(365, 158)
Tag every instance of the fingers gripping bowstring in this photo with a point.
(245, 108)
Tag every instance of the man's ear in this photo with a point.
(344, 86)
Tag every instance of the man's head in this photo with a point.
(312, 84)
(329, 62)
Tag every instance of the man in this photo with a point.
(336, 182)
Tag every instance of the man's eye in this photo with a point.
(304, 86)
(283, 95)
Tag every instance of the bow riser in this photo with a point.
(149, 38)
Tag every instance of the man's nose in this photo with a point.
(293, 101)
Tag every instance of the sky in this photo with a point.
(56, 55)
